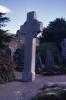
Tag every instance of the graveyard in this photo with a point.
(31, 67)
(47, 53)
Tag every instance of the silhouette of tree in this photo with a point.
(4, 36)
(3, 20)
(55, 31)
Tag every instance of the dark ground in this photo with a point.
(18, 90)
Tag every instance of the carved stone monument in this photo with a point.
(30, 30)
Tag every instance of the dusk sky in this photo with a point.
(47, 10)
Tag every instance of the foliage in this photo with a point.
(4, 36)
(53, 92)
(55, 31)
(6, 65)
(6, 68)
(3, 20)
(58, 66)
(53, 34)
(43, 48)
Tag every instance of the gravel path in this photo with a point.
(18, 90)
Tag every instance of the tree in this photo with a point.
(6, 65)
(3, 20)
(4, 36)
(55, 31)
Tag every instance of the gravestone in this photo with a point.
(49, 60)
(30, 30)
(63, 52)
(49, 57)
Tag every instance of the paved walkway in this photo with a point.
(18, 90)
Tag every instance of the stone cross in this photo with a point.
(30, 30)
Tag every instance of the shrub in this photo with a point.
(6, 68)
(54, 92)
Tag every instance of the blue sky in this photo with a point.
(47, 10)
